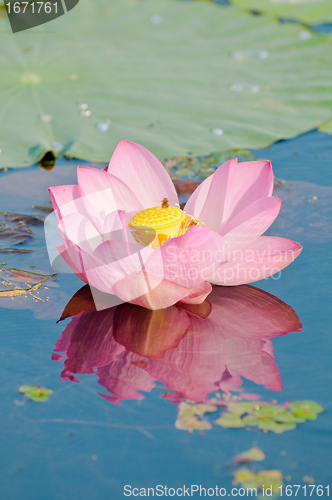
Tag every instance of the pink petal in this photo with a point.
(150, 333)
(264, 257)
(198, 294)
(148, 291)
(71, 254)
(208, 200)
(143, 173)
(106, 193)
(247, 358)
(263, 314)
(249, 224)
(232, 188)
(124, 379)
(68, 200)
(80, 231)
(190, 259)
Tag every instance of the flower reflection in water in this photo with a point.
(192, 349)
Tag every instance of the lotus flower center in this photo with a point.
(158, 218)
(153, 226)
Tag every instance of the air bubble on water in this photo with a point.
(305, 35)
(57, 146)
(241, 55)
(217, 131)
(103, 127)
(245, 87)
(83, 105)
(86, 112)
(46, 118)
(156, 19)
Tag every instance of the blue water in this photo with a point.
(79, 446)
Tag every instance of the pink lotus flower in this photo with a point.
(193, 349)
(158, 257)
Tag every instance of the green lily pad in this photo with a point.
(36, 392)
(229, 421)
(263, 479)
(272, 425)
(252, 455)
(271, 478)
(190, 416)
(306, 409)
(307, 11)
(244, 475)
(268, 411)
(289, 417)
(241, 408)
(326, 127)
(204, 78)
(250, 421)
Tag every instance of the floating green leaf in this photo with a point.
(307, 11)
(241, 408)
(264, 479)
(252, 455)
(269, 417)
(289, 417)
(250, 421)
(274, 426)
(190, 416)
(268, 411)
(205, 78)
(229, 421)
(306, 409)
(326, 127)
(36, 392)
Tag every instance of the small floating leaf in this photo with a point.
(240, 409)
(272, 425)
(36, 392)
(263, 479)
(268, 411)
(244, 475)
(306, 409)
(229, 421)
(289, 417)
(271, 478)
(252, 455)
(188, 416)
(250, 420)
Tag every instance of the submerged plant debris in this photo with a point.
(9, 277)
(16, 227)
